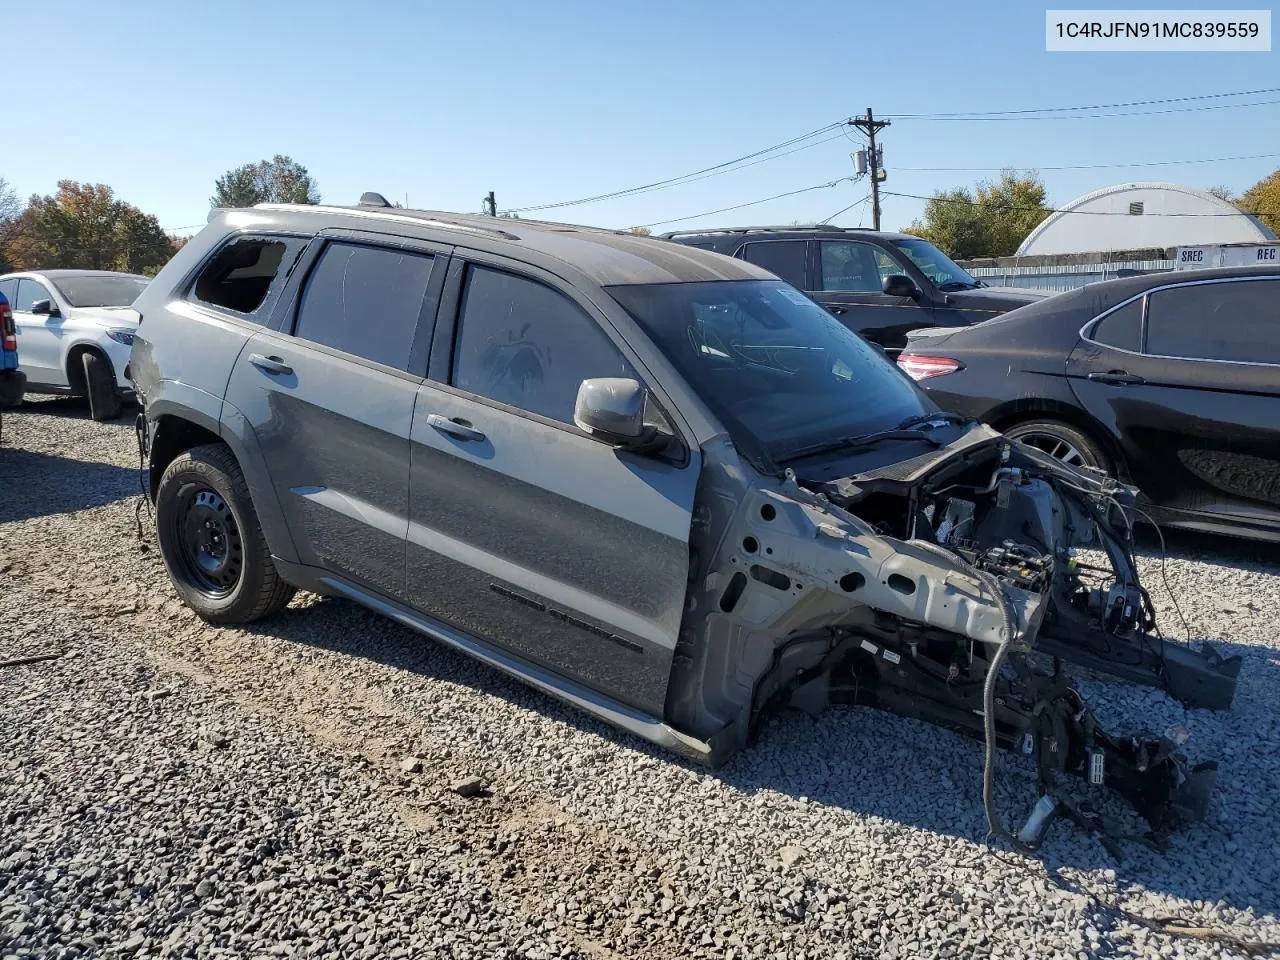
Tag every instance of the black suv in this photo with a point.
(880, 285)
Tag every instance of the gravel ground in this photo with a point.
(172, 789)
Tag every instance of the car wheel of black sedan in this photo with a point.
(1062, 442)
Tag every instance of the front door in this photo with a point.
(330, 396)
(39, 336)
(1193, 394)
(525, 531)
(851, 277)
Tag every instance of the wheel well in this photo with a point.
(75, 367)
(1043, 408)
(170, 437)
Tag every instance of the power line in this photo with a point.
(1089, 213)
(1090, 166)
(751, 203)
(1097, 116)
(684, 178)
(1095, 106)
(845, 209)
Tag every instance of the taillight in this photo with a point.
(8, 333)
(920, 367)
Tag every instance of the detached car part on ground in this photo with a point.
(752, 507)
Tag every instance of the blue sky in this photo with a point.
(547, 101)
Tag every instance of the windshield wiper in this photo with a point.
(858, 443)
(957, 285)
(940, 417)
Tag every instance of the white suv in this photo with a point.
(75, 329)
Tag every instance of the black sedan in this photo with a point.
(1170, 381)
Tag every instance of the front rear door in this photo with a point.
(851, 277)
(1191, 386)
(330, 395)
(524, 530)
(39, 335)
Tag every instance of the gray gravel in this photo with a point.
(328, 783)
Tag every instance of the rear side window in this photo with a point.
(365, 301)
(783, 258)
(241, 274)
(1231, 320)
(1122, 328)
(528, 346)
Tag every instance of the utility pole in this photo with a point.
(491, 205)
(869, 125)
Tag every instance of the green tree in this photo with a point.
(278, 180)
(989, 221)
(84, 225)
(1222, 192)
(1263, 201)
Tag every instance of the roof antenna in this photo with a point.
(371, 199)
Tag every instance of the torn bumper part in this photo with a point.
(950, 588)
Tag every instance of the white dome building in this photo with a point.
(1142, 216)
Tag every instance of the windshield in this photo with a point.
(935, 264)
(95, 291)
(780, 372)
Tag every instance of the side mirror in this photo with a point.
(44, 308)
(612, 408)
(898, 285)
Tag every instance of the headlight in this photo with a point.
(121, 335)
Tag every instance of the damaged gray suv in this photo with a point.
(650, 480)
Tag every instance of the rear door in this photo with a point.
(330, 392)
(1191, 386)
(39, 336)
(525, 531)
(851, 277)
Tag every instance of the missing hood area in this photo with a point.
(954, 588)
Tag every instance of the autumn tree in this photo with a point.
(278, 180)
(1263, 201)
(84, 225)
(990, 220)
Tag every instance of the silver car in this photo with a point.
(648, 479)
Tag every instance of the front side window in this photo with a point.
(365, 301)
(95, 290)
(1121, 328)
(1230, 320)
(783, 258)
(778, 370)
(29, 292)
(855, 267)
(945, 273)
(240, 275)
(526, 345)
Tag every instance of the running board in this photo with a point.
(606, 708)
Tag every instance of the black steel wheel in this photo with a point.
(213, 547)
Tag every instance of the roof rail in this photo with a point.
(417, 217)
(764, 229)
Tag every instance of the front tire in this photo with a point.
(1063, 442)
(212, 544)
(100, 387)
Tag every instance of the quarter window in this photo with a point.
(855, 267)
(1121, 328)
(365, 301)
(29, 291)
(783, 258)
(9, 290)
(240, 275)
(523, 344)
(1231, 320)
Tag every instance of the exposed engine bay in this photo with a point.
(953, 588)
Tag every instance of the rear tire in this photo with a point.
(100, 387)
(1063, 442)
(212, 544)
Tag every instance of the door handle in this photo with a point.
(272, 365)
(1117, 377)
(837, 310)
(456, 427)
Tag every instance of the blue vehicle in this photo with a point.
(12, 380)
